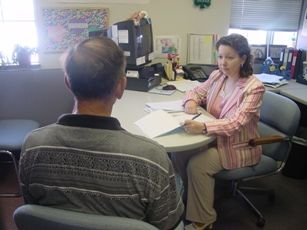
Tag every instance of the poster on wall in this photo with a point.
(165, 45)
(63, 28)
(105, 1)
(201, 48)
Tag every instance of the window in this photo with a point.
(255, 37)
(259, 37)
(17, 27)
(266, 21)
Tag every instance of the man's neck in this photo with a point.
(94, 107)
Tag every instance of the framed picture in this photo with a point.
(167, 45)
(259, 52)
(275, 50)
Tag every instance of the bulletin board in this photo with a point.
(62, 28)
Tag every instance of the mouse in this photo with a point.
(169, 87)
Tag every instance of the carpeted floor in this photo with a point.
(288, 212)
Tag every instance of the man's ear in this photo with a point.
(67, 83)
(121, 86)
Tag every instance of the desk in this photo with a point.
(131, 108)
(293, 90)
(299, 95)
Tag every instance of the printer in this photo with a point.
(144, 78)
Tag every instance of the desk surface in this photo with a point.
(293, 90)
(131, 108)
(299, 95)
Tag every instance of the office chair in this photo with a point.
(12, 135)
(37, 217)
(278, 116)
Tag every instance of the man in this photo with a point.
(86, 161)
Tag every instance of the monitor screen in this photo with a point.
(136, 42)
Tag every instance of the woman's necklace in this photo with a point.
(225, 94)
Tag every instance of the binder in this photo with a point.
(289, 59)
(281, 58)
(293, 63)
(298, 70)
(285, 58)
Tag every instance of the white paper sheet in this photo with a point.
(157, 123)
(171, 106)
(161, 122)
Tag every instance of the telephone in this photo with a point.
(198, 72)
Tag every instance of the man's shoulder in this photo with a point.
(143, 146)
(40, 131)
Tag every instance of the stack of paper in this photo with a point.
(171, 106)
(271, 80)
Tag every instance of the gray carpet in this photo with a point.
(289, 211)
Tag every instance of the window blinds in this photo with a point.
(273, 15)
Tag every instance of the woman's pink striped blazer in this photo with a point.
(238, 119)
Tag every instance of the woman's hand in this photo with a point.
(194, 127)
(190, 107)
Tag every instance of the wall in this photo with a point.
(40, 95)
(169, 17)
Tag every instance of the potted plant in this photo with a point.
(22, 55)
(3, 60)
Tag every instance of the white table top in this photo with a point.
(131, 108)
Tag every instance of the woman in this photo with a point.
(233, 95)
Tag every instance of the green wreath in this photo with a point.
(202, 3)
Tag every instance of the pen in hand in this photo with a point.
(196, 116)
(193, 118)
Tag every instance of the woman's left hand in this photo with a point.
(193, 127)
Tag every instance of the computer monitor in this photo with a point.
(136, 41)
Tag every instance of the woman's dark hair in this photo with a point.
(240, 44)
(93, 67)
